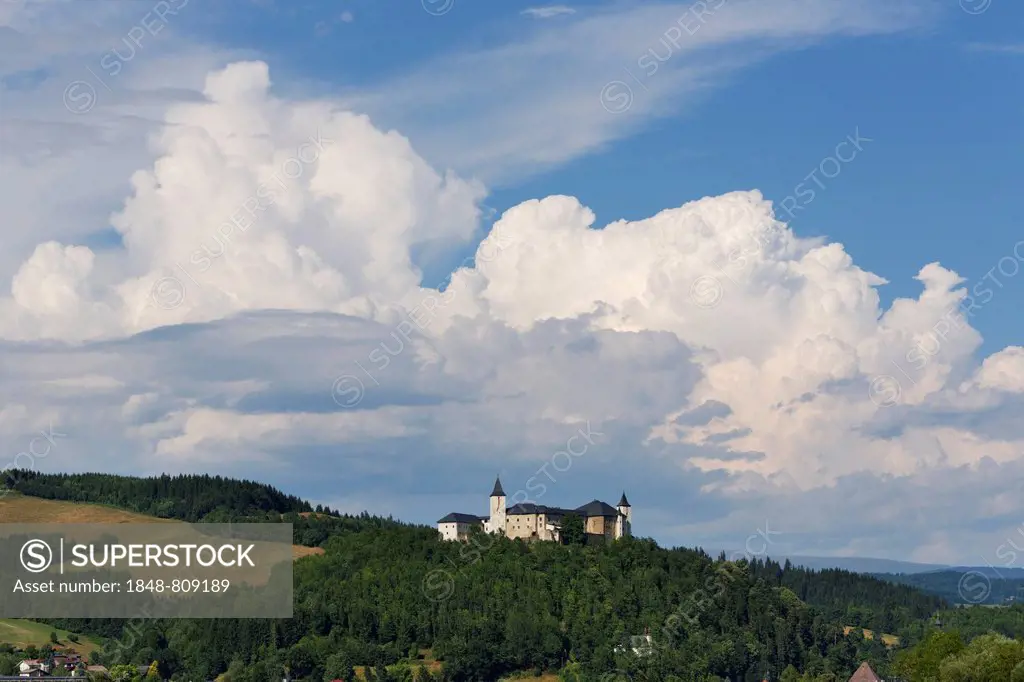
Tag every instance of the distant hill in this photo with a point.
(991, 571)
(863, 564)
(856, 564)
(965, 585)
(875, 566)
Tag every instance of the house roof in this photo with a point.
(456, 517)
(497, 492)
(865, 674)
(597, 508)
(623, 502)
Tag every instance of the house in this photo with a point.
(33, 667)
(65, 662)
(59, 675)
(531, 521)
(865, 674)
(640, 645)
(61, 678)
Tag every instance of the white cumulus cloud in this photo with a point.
(264, 315)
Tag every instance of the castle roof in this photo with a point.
(456, 517)
(593, 508)
(531, 508)
(623, 502)
(526, 508)
(597, 508)
(497, 492)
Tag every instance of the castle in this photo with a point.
(539, 522)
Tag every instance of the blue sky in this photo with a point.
(790, 389)
(939, 101)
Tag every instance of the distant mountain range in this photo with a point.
(967, 585)
(893, 566)
(853, 564)
(864, 564)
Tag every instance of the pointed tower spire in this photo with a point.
(624, 520)
(497, 492)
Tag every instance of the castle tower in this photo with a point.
(624, 522)
(497, 519)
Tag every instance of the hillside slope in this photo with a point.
(18, 508)
(186, 497)
(191, 498)
(23, 633)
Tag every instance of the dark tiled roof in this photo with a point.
(531, 508)
(558, 511)
(597, 508)
(456, 517)
(497, 492)
(623, 502)
(526, 508)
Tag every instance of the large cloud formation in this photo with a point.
(264, 316)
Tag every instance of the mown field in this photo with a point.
(425, 661)
(888, 640)
(22, 633)
(17, 508)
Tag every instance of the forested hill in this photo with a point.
(383, 590)
(494, 606)
(187, 498)
(195, 499)
(856, 600)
